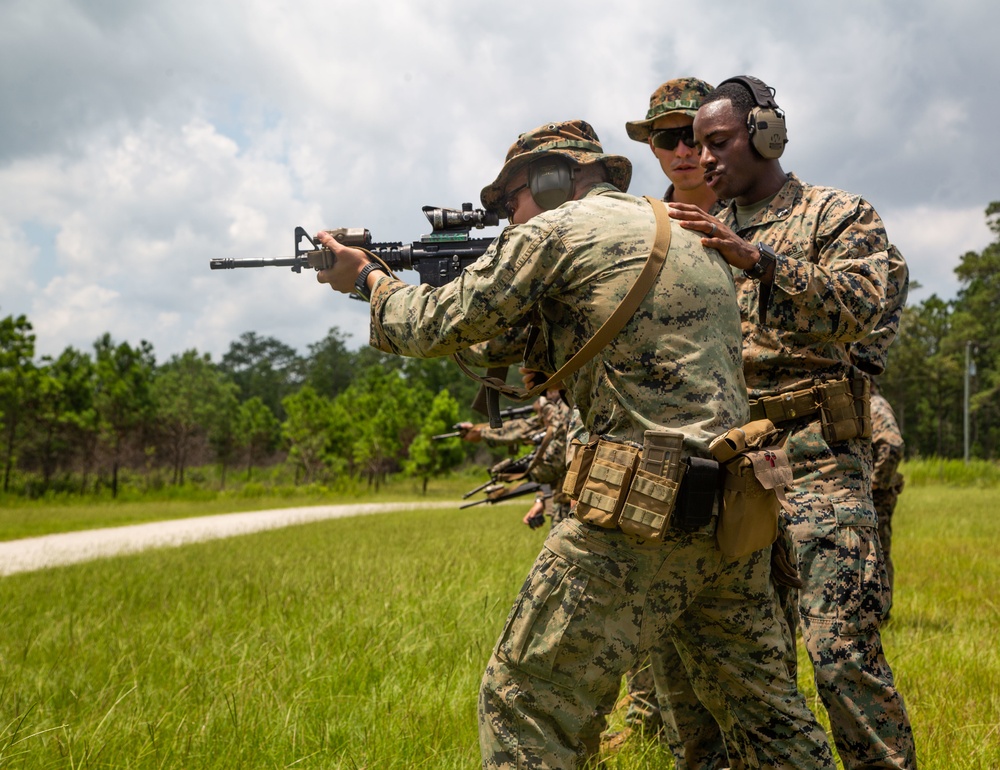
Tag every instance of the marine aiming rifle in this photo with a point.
(438, 256)
(505, 414)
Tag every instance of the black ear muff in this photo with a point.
(550, 181)
(766, 121)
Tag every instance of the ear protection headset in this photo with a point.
(766, 121)
(550, 181)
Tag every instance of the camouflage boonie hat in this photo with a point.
(576, 139)
(682, 95)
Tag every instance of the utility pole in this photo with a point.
(970, 372)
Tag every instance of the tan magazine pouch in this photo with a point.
(653, 492)
(754, 484)
(845, 409)
(602, 494)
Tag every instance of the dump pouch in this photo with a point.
(652, 495)
(845, 409)
(754, 481)
(602, 493)
(698, 494)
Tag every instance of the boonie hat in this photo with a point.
(576, 139)
(682, 95)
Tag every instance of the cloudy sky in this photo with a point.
(141, 138)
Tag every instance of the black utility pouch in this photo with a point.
(697, 496)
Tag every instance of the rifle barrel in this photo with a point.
(229, 264)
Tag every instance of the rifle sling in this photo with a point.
(614, 324)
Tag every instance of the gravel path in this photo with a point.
(35, 553)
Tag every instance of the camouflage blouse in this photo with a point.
(829, 286)
(676, 363)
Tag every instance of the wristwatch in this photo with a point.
(763, 264)
(361, 285)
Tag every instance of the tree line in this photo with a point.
(946, 348)
(74, 421)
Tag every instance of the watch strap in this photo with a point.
(766, 258)
(361, 284)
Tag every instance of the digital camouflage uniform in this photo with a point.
(679, 717)
(547, 429)
(871, 353)
(831, 280)
(597, 599)
(887, 481)
(676, 714)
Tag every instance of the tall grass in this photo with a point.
(936, 470)
(359, 643)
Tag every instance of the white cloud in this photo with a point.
(934, 240)
(155, 136)
(18, 259)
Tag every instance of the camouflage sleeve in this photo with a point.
(490, 296)
(505, 350)
(550, 469)
(554, 412)
(838, 294)
(520, 430)
(870, 354)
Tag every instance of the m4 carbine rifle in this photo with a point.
(505, 414)
(438, 257)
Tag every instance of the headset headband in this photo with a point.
(766, 121)
(762, 93)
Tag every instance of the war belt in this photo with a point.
(844, 407)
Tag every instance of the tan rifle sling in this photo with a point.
(615, 323)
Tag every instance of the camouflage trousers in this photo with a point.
(598, 600)
(689, 728)
(829, 527)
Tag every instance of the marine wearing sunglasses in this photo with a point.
(669, 138)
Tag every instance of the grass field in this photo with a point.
(359, 643)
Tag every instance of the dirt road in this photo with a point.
(36, 553)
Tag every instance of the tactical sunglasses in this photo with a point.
(509, 201)
(669, 138)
